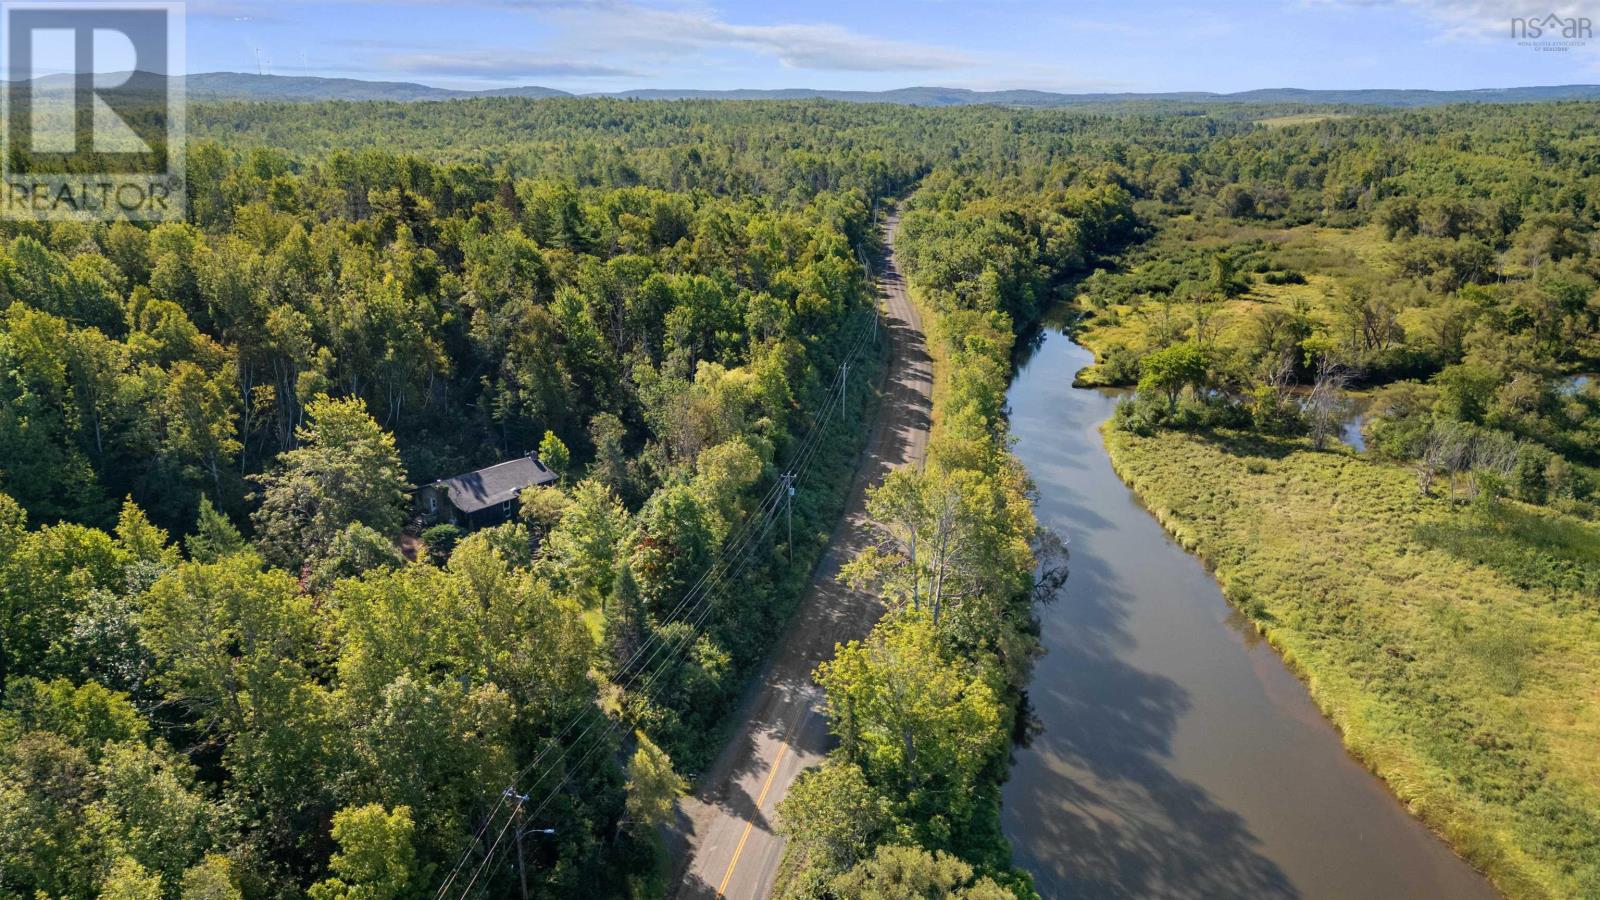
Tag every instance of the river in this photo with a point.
(1176, 756)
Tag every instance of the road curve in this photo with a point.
(723, 841)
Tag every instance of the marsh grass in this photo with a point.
(1456, 647)
(1533, 550)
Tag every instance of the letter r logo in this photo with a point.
(94, 99)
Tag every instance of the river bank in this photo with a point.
(1174, 755)
(1466, 687)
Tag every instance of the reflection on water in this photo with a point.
(1172, 754)
(1351, 431)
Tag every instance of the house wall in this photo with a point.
(485, 518)
(434, 505)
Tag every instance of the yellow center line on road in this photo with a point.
(762, 798)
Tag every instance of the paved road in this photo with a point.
(724, 843)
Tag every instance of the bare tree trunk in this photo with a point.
(1327, 404)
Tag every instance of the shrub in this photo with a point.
(441, 539)
(1528, 478)
(1272, 414)
(1138, 417)
(1119, 365)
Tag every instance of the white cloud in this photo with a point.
(499, 65)
(626, 26)
(631, 28)
(1474, 20)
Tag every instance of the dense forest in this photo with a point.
(222, 675)
(232, 666)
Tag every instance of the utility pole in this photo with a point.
(522, 869)
(788, 491)
(844, 388)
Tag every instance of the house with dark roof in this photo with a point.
(485, 497)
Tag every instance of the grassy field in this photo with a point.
(1457, 647)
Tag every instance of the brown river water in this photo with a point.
(1176, 756)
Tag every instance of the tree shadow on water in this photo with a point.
(1099, 812)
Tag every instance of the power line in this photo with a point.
(599, 742)
(733, 559)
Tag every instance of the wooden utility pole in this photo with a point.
(522, 868)
(788, 490)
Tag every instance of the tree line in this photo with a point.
(926, 706)
(221, 675)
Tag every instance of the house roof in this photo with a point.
(496, 484)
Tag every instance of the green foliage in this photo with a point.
(624, 631)
(1226, 280)
(653, 786)
(1534, 551)
(909, 873)
(670, 546)
(358, 549)
(128, 880)
(331, 320)
(92, 801)
(375, 860)
(833, 816)
(1167, 372)
(46, 580)
(441, 540)
(913, 719)
(1465, 392)
(89, 716)
(212, 878)
(581, 549)
(942, 550)
(214, 536)
(923, 707)
(346, 470)
(554, 454)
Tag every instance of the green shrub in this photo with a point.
(441, 539)
(1528, 480)
(1119, 366)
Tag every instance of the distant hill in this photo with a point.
(299, 88)
(936, 96)
(211, 86)
(911, 96)
(1402, 97)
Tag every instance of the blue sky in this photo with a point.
(604, 45)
